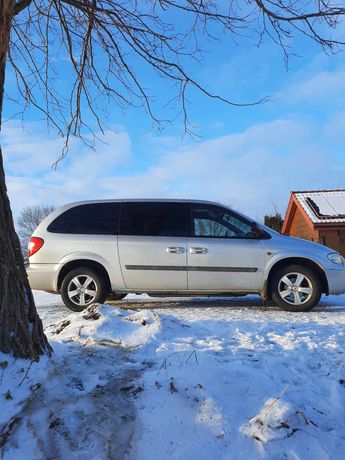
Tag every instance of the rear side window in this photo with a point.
(153, 219)
(88, 219)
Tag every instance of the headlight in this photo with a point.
(336, 258)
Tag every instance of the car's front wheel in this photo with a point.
(81, 287)
(296, 288)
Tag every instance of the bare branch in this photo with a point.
(21, 5)
(74, 60)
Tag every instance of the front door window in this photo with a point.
(217, 222)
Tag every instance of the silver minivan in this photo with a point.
(88, 251)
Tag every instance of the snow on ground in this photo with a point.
(181, 379)
(78, 404)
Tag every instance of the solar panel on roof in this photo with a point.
(324, 206)
(338, 203)
(327, 206)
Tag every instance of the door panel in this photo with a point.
(153, 263)
(153, 245)
(224, 253)
(225, 264)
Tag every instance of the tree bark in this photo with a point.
(21, 330)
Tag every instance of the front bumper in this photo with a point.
(336, 281)
(43, 277)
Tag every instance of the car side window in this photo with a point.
(217, 222)
(153, 219)
(208, 227)
(88, 219)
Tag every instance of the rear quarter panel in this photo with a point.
(63, 248)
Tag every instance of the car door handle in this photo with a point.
(198, 250)
(175, 250)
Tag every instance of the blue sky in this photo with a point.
(249, 157)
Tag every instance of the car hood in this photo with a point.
(289, 242)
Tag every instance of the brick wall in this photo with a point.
(342, 242)
(335, 239)
(301, 229)
(330, 238)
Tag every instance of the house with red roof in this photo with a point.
(317, 215)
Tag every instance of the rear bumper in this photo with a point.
(336, 281)
(43, 277)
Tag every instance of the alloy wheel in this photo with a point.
(295, 288)
(82, 290)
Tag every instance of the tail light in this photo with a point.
(34, 245)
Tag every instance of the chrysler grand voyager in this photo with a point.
(88, 251)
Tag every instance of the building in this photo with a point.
(319, 216)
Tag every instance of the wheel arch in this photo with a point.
(87, 263)
(300, 261)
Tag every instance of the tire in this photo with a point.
(92, 284)
(296, 288)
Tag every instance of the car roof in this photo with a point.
(142, 200)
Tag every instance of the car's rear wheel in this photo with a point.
(81, 287)
(296, 288)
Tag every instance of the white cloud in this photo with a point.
(30, 154)
(325, 88)
(251, 170)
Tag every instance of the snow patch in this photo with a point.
(108, 326)
(277, 419)
(19, 379)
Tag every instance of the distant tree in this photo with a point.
(274, 221)
(29, 218)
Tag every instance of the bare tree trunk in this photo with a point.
(21, 330)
